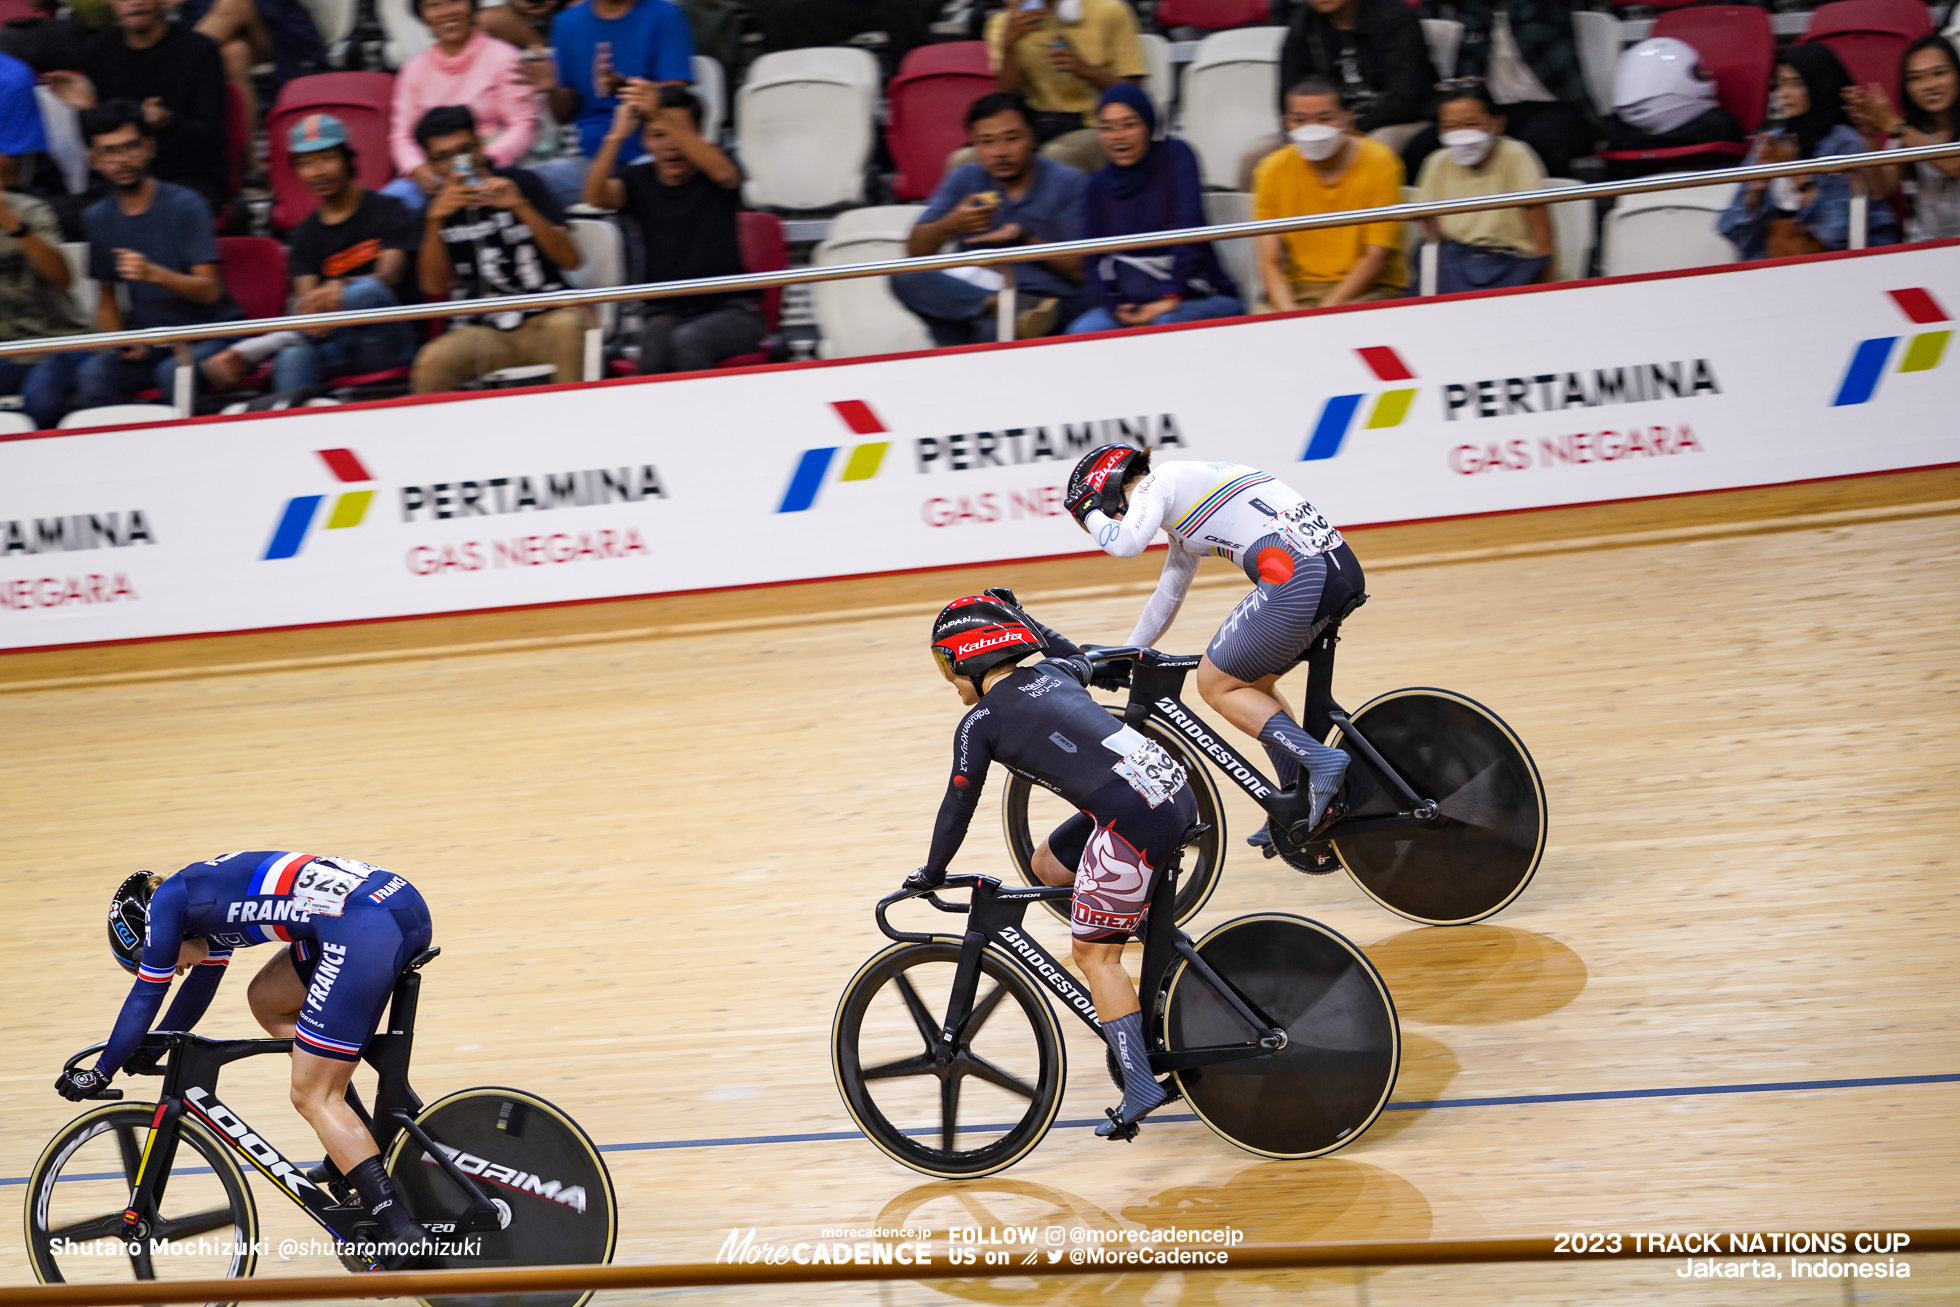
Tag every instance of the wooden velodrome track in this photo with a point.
(651, 834)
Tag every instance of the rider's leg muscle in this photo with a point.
(1109, 985)
(320, 1095)
(275, 995)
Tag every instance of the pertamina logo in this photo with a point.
(349, 509)
(1922, 354)
(1337, 415)
(814, 465)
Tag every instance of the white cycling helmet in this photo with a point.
(1661, 85)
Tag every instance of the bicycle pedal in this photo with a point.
(1123, 1130)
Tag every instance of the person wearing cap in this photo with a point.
(350, 253)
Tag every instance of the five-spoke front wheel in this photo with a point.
(968, 1106)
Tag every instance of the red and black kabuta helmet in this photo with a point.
(1104, 469)
(974, 635)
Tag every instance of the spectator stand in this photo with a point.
(1188, 18)
(1738, 48)
(1443, 36)
(1659, 231)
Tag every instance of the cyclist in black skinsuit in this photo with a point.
(1039, 722)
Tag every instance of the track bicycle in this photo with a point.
(499, 1177)
(1276, 1030)
(1441, 818)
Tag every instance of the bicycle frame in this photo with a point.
(190, 1080)
(1156, 681)
(994, 915)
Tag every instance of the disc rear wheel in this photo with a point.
(553, 1194)
(1489, 833)
(1344, 1047)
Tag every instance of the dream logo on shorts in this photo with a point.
(1337, 414)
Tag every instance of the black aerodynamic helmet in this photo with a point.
(129, 918)
(974, 635)
(1104, 469)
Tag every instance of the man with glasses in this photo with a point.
(1326, 168)
(489, 233)
(152, 255)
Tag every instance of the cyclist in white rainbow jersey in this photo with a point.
(1302, 571)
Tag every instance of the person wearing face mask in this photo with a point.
(1803, 214)
(1149, 185)
(1493, 247)
(1526, 53)
(1326, 168)
(1930, 78)
(1061, 55)
(1374, 51)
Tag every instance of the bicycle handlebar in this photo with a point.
(69, 1065)
(929, 893)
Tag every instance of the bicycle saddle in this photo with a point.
(423, 959)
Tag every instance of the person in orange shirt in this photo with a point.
(1326, 168)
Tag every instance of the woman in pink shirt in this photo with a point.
(466, 67)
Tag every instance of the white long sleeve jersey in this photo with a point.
(1217, 509)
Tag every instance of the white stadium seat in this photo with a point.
(408, 35)
(711, 86)
(1442, 36)
(334, 18)
(18, 424)
(1239, 257)
(1231, 98)
(1663, 230)
(1157, 80)
(860, 316)
(1572, 229)
(803, 127)
(120, 415)
(1598, 37)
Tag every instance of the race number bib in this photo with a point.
(1307, 531)
(322, 886)
(1145, 764)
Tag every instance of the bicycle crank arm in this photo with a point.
(1184, 1059)
(483, 1214)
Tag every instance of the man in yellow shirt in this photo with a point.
(1327, 169)
(1061, 55)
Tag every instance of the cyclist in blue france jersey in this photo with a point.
(1134, 805)
(1303, 576)
(348, 930)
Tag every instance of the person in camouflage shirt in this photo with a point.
(1525, 54)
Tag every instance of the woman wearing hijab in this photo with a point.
(1803, 215)
(1147, 186)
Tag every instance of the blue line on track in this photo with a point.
(1520, 1100)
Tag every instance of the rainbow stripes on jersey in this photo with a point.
(1203, 511)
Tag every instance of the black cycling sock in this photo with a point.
(1141, 1091)
(1285, 733)
(379, 1197)
(1286, 767)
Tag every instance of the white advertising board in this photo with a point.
(1398, 412)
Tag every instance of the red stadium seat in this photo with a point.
(1869, 37)
(255, 274)
(935, 86)
(1654, 4)
(238, 134)
(763, 250)
(1212, 15)
(1737, 46)
(361, 101)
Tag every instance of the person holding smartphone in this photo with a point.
(1788, 216)
(487, 233)
(1061, 55)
